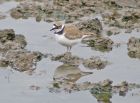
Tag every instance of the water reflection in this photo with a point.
(66, 75)
(65, 80)
(69, 73)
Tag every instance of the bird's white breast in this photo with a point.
(66, 42)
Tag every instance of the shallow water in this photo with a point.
(15, 86)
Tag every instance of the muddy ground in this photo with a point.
(106, 65)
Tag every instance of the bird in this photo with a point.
(68, 35)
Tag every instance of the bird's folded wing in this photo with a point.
(72, 32)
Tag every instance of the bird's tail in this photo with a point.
(88, 35)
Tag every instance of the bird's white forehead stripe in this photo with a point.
(54, 26)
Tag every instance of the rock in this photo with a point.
(70, 86)
(7, 34)
(49, 20)
(21, 40)
(12, 47)
(133, 17)
(58, 10)
(110, 15)
(16, 13)
(112, 4)
(18, 43)
(133, 47)
(26, 9)
(85, 86)
(94, 63)
(9, 40)
(113, 31)
(129, 3)
(4, 63)
(123, 91)
(104, 90)
(93, 25)
(122, 19)
(99, 43)
(109, 33)
(106, 83)
(67, 58)
(23, 60)
(122, 88)
(102, 94)
(124, 83)
(130, 19)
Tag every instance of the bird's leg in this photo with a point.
(70, 48)
(67, 48)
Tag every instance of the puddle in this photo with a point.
(15, 86)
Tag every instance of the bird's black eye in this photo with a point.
(55, 25)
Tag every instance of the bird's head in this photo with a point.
(56, 27)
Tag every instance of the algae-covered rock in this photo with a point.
(102, 94)
(4, 63)
(104, 90)
(99, 43)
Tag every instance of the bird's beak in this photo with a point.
(52, 29)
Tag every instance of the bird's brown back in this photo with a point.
(72, 32)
